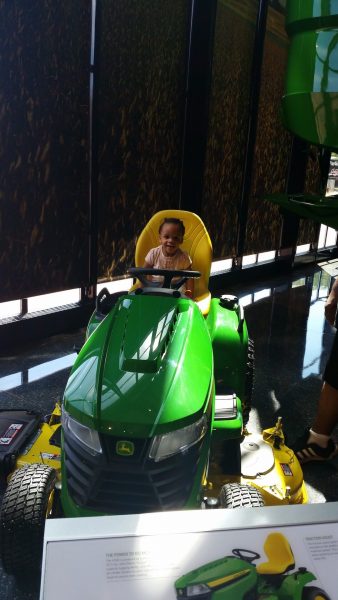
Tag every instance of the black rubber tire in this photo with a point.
(251, 595)
(314, 593)
(249, 382)
(239, 495)
(22, 519)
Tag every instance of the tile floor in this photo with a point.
(285, 317)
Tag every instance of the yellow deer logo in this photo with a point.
(125, 448)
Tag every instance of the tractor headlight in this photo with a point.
(85, 435)
(167, 444)
(199, 589)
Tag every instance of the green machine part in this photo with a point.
(143, 378)
(308, 206)
(223, 579)
(310, 103)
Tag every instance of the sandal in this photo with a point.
(307, 452)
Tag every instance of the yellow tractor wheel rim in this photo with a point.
(50, 503)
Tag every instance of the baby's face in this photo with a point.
(170, 238)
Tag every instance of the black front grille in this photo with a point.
(113, 484)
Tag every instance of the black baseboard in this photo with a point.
(19, 331)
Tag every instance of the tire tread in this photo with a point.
(22, 518)
(237, 495)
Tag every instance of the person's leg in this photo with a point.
(327, 412)
(316, 443)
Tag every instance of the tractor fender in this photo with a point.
(293, 584)
(229, 337)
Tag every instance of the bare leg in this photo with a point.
(327, 413)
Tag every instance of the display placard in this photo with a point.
(280, 551)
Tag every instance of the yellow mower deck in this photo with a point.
(40, 449)
(268, 465)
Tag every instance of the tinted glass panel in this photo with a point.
(143, 54)
(229, 114)
(44, 65)
(273, 144)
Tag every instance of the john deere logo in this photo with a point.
(125, 448)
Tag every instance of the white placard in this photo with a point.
(140, 557)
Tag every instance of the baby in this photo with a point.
(169, 254)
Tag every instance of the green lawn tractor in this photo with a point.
(153, 414)
(236, 577)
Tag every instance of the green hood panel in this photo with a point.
(222, 572)
(146, 369)
(143, 344)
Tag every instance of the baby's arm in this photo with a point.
(147, 265)
(190, 283)
(189, 286)
(149, 262)
(189, 290)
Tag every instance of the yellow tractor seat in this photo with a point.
(196, 243)
(279, 554)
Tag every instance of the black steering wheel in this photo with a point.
(141, 273)
(247, 555)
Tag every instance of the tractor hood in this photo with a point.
(146, 369)
(225, 572)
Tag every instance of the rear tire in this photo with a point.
(238, 495)
(314, 593)
(27, 502)
(249, 382)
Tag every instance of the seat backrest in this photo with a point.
(196, 242)
(279, 554)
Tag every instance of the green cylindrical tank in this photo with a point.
(310, 103)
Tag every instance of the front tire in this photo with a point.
(27, 502)
(314, 593)
(238, 495)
